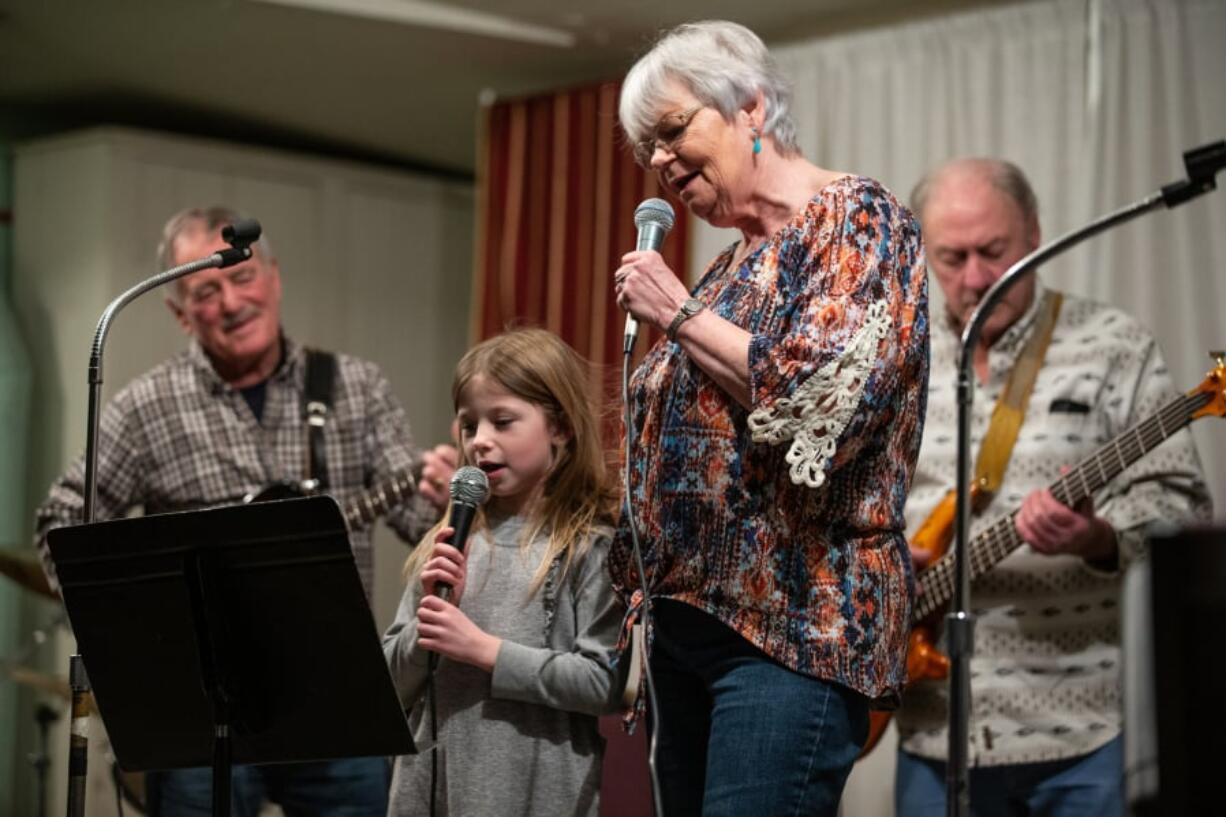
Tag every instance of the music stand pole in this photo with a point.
(240, 236)
(217, 668)
(78, 740)
(1202, 164)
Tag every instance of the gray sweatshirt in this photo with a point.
(524, 739)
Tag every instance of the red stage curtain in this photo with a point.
(557, 189)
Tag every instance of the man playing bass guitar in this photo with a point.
(1045, 730)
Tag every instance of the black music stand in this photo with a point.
(236, 634)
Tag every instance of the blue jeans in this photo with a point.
(1088, 786)
(354, 787)
(740, 734)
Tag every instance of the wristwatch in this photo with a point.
(689, 309)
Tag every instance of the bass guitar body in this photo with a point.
(924, 660)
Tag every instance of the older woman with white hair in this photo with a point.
(778, 426)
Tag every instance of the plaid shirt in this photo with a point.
(180, 438)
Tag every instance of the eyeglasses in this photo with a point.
(667, 134)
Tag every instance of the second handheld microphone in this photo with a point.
(469, 489)
(653, 218)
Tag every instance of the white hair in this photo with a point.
(724, 65)
(1005, 176)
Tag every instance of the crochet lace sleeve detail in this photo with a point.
(818, 411)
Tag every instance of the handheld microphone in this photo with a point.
(469, 489)
(654, 218)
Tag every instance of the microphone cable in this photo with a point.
(469, 489)
(645, 614)
(430, 692)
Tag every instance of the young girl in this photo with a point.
(527, 637)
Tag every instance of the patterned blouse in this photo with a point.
(786, 521)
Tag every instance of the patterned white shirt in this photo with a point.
(1045, 675)
(179, 438)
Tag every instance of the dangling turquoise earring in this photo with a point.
(757, 141)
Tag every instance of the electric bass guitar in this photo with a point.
(936, 582)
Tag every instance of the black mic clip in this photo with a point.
(233, 255)
(1202, 164)
(240, 236)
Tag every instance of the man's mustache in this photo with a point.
(238, 318)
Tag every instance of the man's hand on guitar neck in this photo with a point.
(438, 464)
(1051, 527)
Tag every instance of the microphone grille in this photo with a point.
(469, 486)
(243, 231)
(654, 211)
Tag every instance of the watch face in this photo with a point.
(689, 308)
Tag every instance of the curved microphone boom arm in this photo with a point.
(240, 235)
(1202, 165)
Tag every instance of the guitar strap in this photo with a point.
(320, 375)
(1010, 408)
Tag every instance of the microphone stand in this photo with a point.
(1202, 164)
(240, 235)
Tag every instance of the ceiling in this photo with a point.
(401, 93)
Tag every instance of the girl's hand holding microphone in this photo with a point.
(447, 566)
(442, 627)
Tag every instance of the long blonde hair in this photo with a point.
(537, 366)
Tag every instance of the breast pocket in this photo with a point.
(1068, 416)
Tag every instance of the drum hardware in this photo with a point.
(41, 760)
(130, 786)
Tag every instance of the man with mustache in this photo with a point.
(225, 418)
(1045, 731)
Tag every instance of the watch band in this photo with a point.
(689, 309)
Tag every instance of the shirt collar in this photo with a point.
(949, 337)
(291, 368)
(1012, 338)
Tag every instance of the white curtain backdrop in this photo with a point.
(1096, 100)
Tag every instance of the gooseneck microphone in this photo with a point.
(469, 489)
(653, 218)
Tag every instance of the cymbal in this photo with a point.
(25, 569)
